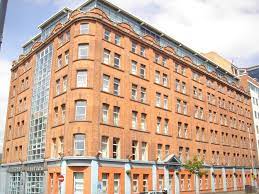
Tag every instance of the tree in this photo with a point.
(194, 166)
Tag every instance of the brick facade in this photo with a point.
(185, 111)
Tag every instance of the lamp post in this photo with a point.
(3, 7)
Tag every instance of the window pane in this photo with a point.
(84, 28)
(80, 112)
(83, 51)
(81, 79)
(78, 183)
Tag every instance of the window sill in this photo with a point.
(158, 84)
(63, 44)
(180, 74)
(211, 122)
(110, 125)
(58, 125)
(212, 104)
(199, 82)
(112, 43)
(21, 112)
(23, 90)
(59, 94)
(213, 143)
(200, 119)
(140, 102)
(75, 88)
(83, 59)
(139, 130)
(201, 141)
(139, 77)
(85, 34)
(196, 98)
(163, 134)
(184, 138)
(179, 92)
(25, 71)
(112, 66)
(161, 65)
(10, 117)
(168, 110)
(227, 145)
(139, 55)
(111, 94)
(80, 121)
(182, 114)
(17, 137)
(60, 68)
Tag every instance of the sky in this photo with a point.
(228, 27)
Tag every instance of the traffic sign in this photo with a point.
(61, 178)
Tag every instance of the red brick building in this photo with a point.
(116, 106)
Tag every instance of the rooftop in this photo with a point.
(117, 15)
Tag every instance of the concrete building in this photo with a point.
(252, 85)
(116, 106)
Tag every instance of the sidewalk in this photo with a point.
(234, 192)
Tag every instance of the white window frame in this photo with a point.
(117, 60)
(106, 83)
(106, 56)
(134, 68)
(79, 105)
(105, 113)
(105, 146)
(83, 50)
(134, 122)
(78, 182)
(84, 28)
(116, 115)
(81, 78)
(78, 140)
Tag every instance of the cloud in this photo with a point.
(5, 80)
(227, 27)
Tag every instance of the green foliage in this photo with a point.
(194, 166)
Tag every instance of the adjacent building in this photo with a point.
(252, 71)
(252, 85)
(116, 106)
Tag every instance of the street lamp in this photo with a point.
(3, 6)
